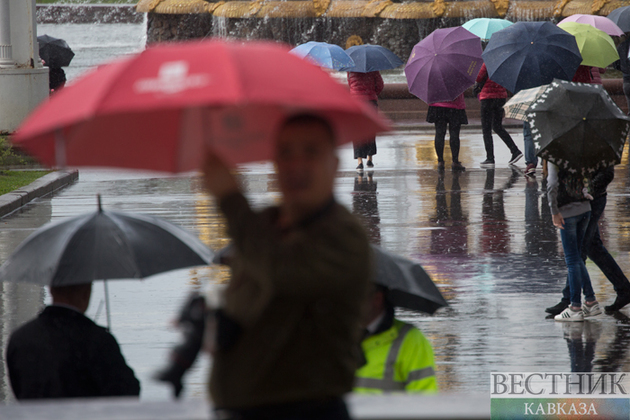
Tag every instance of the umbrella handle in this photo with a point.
(109, 322)
(60, 149)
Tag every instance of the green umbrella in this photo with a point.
(597, 47)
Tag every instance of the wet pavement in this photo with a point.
(485, 236)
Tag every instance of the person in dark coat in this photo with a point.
(64, 354)
(56, 78)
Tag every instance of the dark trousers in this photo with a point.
(492, 119)
(594, 248)
(440, 135)
(626, 92)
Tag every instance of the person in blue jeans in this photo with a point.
(531, 160)
(594, 248)
(571, 211)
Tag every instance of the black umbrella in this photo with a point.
(621, 16)
(409, 285)
(578, 126)
(104, 245)
(54, 51)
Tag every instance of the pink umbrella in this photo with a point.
(444, 64)
(599, 22)
(163, 108)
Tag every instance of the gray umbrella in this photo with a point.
(409, 285)
(104, 245)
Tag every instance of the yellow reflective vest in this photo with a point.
(399, 359)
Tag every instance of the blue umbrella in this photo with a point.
(529, 54)
(485, 27)
(369, 58)
(324, 55)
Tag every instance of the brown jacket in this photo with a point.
(299, 296)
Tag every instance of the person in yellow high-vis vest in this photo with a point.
(399, 358)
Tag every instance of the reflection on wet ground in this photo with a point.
(485, 236)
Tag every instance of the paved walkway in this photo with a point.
(485, 236)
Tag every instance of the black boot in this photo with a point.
(621, 301)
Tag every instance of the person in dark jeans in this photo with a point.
(594, 248)
(492, 97)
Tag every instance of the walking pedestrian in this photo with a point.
(367, 86)
(594, 248)
(288, 335)
(571, 211)
(492, 97)
(453, 114)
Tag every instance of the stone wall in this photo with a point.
(88, 13)
(398, 35)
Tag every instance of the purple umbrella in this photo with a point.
(444, 64)
(599, 22)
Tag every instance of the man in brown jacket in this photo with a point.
(289, 333)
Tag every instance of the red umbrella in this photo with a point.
(161, 109)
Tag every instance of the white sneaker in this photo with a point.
(569, 315)
(590, 311)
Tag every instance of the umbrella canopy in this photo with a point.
(409, 285)
(164, 107)
(323, 54)
(530, 54)
(485, 27)
(597, 47)
(104, 245)
(54, 51)
(599, 22)
(444, 64)
(369, 58)
(621, 17)
(578, 126)
(518, 105)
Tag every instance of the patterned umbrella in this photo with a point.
(578, 126)
(518, 105)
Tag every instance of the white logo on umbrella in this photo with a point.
(172, 78)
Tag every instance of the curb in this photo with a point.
(45, 185)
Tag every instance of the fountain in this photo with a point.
(392, 23)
